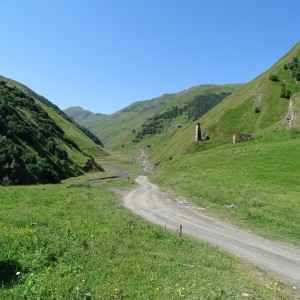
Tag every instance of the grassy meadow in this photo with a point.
(255, 184)
(75, 241)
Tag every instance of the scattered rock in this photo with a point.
(240, 137)
(230, 205)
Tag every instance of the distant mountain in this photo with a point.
(80, 114)
(121, 128)
(39, 143)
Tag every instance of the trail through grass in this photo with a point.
(74, 241)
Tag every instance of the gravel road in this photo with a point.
(152, 204)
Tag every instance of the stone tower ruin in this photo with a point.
(198, 133)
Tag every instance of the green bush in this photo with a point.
(294, 68)
(274, 78)
(285, 93)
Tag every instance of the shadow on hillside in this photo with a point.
(9, 273)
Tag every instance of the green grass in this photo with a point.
(76, 135)
(71, 242)
(261, 178)
(116, 129)
(236, 112)
(121, 163)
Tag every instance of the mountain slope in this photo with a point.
(38, 142)
(262, 104)
(121, 127)
(268, 103)
(255, 184)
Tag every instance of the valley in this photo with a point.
(122, 128)
(80, 191)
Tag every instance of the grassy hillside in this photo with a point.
(261, 105)
(121, 127)
(38, 142)
(75, 241)
(179, 115)
(269, 103)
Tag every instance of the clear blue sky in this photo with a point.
(103, 55)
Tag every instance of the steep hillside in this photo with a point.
(38, 142)
(263, 104)
(270, 102)
(121, 127)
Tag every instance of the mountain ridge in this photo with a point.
(118, 128)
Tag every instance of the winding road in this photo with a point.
(156, 206)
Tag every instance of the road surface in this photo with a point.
(150, 203)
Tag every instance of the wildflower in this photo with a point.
(18, 273)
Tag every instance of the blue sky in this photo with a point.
(103, 55)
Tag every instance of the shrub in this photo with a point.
(274, 78)
(285, 93)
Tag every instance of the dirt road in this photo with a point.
(150, 203)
